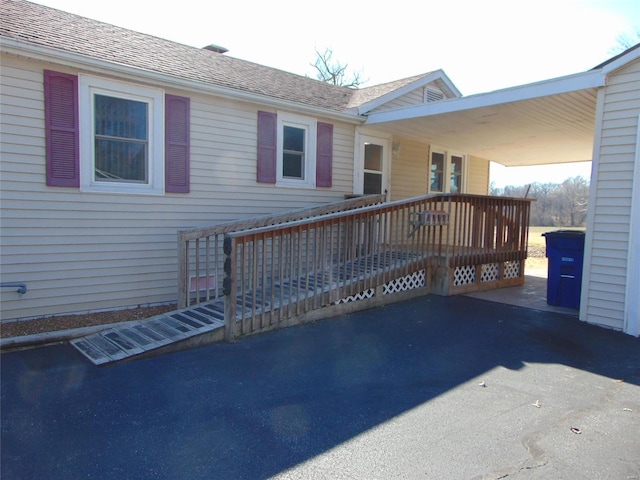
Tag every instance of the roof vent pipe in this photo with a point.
(216, 48)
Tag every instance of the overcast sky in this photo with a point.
(481, 45)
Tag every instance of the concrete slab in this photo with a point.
(533, 294)
(433, 387)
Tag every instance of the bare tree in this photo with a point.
(574, 193)
(625, 41)
(332, 71)
(562, 205)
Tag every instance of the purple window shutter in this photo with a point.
(177, 131)
(324, 157)
(61, 129)
(267, 147)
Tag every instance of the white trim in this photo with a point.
(632, 294)
(571, 83)
(421, 82)
(591, 208)
(27, 50)
(310, 127)
(446, 172)
(88, 86)
(621, 62)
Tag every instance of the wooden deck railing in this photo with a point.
(280, 269)
(200, 257)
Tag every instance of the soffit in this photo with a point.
(544, 130)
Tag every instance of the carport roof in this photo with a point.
(540, 123)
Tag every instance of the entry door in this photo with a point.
(375, 165)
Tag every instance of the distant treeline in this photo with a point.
(557, 204)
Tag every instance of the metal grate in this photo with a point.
(133, 339)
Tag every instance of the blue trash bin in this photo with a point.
(565, 251)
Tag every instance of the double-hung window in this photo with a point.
(122, 151)
(293, 152)
(447, 172)
(296, 150)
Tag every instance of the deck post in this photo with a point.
(229, 290)
(183, 272)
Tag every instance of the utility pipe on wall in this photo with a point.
(21, 287)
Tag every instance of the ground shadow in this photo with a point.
(266, 403)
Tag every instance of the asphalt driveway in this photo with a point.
(434, 387)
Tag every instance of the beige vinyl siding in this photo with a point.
(410, 171)
(79, 251)
(478, 180)
(606, 266)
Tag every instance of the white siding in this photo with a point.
(605, 270)
(91, 251)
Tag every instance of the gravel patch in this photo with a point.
(64, 322)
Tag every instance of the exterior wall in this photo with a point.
(478, 181)
(612, 187)
(410, 171)
(81, 252)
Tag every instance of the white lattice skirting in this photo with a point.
(489, 272)
(511, 269)
(408, 282)
(358, 296)
(464, 275)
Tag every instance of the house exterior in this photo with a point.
(92, 201)
(611, 284)
(113, 141)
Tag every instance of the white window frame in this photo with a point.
(309, 125)
(88, 86)
(447, 169)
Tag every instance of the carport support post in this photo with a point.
(229, 288)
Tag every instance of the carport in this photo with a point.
(589, 116)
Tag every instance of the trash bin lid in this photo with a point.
(564, 233)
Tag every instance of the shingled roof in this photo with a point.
(48, 27)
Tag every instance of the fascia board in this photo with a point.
(81, 62)
(622, 61)
(571, 83)
(447, 81)
(421, 82)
